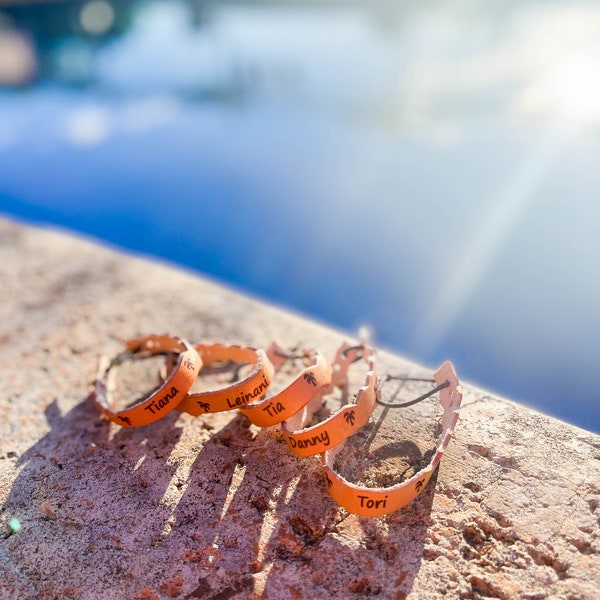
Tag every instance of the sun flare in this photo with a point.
(568, 90)
(576, 89)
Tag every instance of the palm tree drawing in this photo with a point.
(126, 420)
(349, 416)
(188, 364)
(419, 485)
(329, 482)
(205, 406)
(310, 377)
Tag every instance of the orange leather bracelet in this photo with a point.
(362, 500)
(311, 380)
(238, 394)
(308, 441)
(157, 404)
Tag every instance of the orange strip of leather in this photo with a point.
(238, 394)
(274, 409)
(374, 502)
(156, 405)
(308, 441)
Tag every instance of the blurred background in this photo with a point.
(430, 170)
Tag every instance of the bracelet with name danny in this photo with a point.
(308, 441)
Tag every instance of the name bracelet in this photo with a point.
(311, 380)
(158, 403)
(308, 441)
(373, 502)
(238, 394)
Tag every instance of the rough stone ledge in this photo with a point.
(213, 508)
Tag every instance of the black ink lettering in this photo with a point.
(274, 409)
(310, 442)
(239, 401)
(159, 404)
(245, 397)
(381, 502)
(366, 502)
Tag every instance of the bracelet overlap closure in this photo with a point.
(238, 394)
(308, 441)
(158, 403)
(313, 378)
(373, 502)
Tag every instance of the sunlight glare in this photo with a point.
(576, 89)
(497, 222)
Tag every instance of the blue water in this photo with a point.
(394, 173)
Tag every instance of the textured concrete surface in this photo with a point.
(215, 508)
